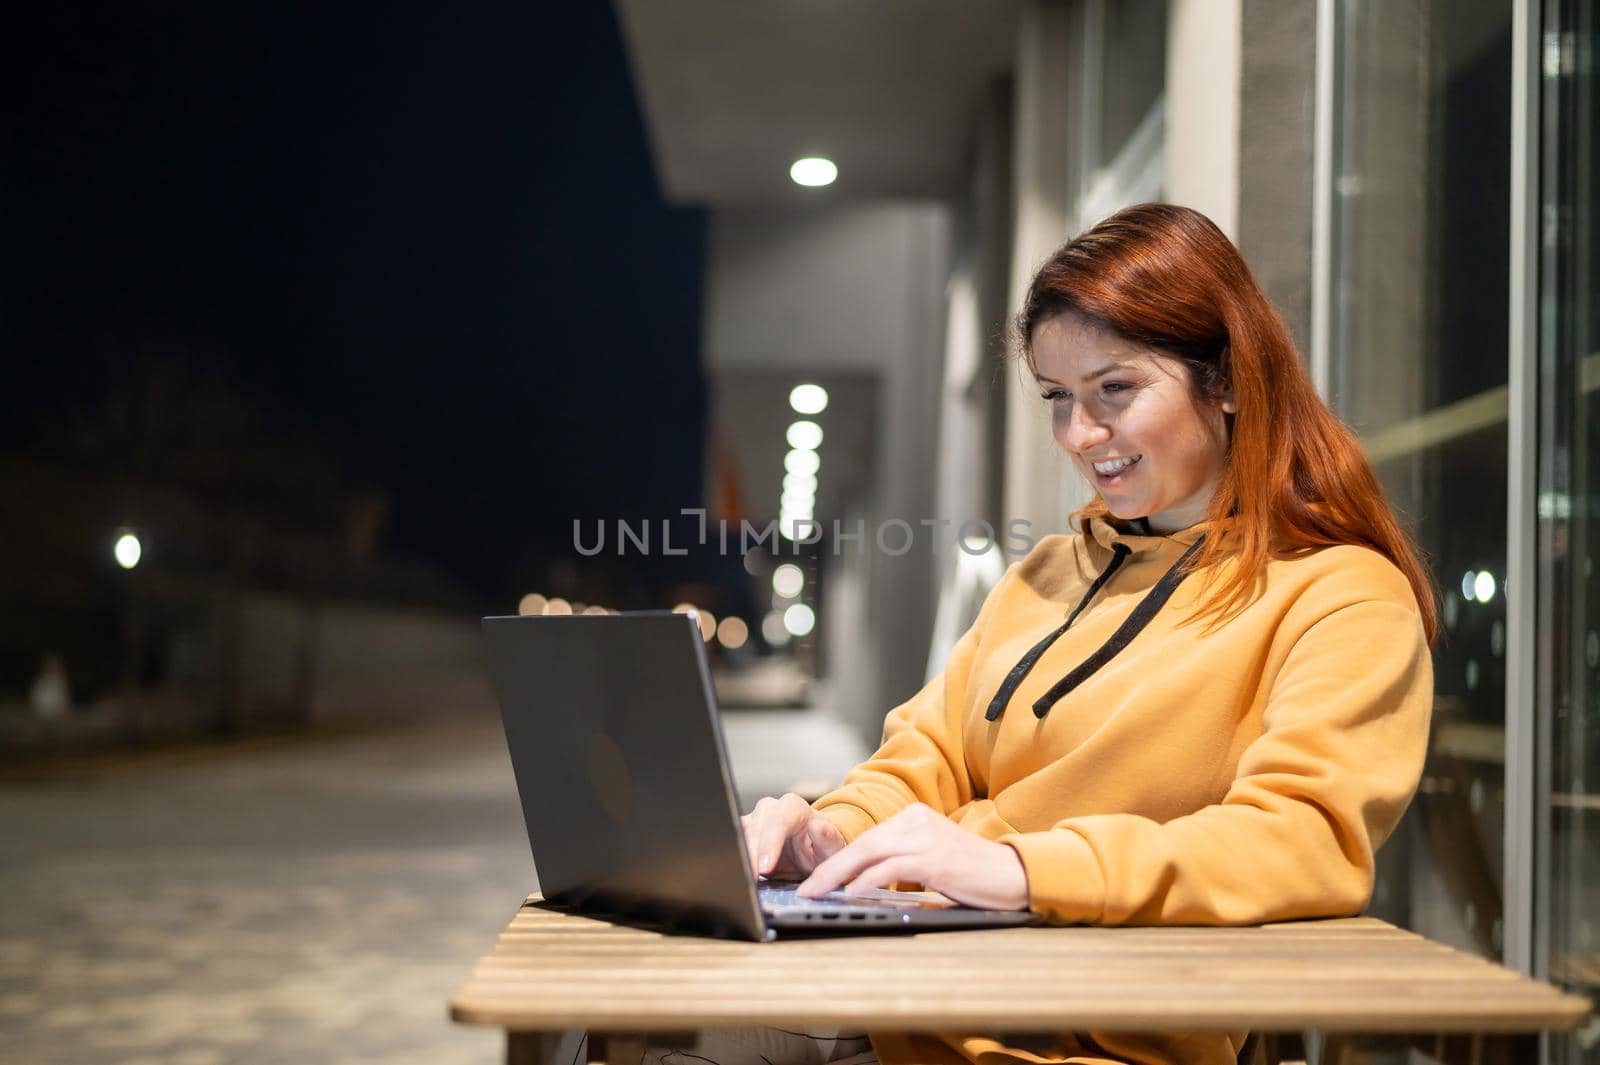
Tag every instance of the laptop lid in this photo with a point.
(624, 783)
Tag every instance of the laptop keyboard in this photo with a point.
(785, 896)
(776, 895)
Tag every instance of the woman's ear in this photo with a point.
(1229, 404)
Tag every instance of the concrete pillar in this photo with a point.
(1039, 486)
(1203, 67)
(1277, 94)
(1240, 134)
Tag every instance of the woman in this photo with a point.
(1207, 706)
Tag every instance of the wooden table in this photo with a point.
(552, 971)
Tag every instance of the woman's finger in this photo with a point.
(751, 824)
(800, 858)
(787, 816)
(891, 870)
(766, 834)
(869, 848)
(747, 831)
(825, 838)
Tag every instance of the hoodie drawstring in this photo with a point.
(997, 705)
(1135, 623)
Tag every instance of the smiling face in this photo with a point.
(1131, 421)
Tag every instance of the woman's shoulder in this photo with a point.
(1054, 566)
(1338, 575)
(1051, 548)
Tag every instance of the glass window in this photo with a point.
(1135, 58)
(1117, 126)
(1418, 335)
(1569, 508)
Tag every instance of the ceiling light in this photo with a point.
(800, 484)
(798, 461)
(804, 435)
(808, 399)
(813, 172)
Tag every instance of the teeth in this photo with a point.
(1115, 464)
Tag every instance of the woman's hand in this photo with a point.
(923, 845)
(787, 839)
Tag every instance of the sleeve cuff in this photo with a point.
(1065, 881)
(848, 819)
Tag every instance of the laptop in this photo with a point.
(617, 747)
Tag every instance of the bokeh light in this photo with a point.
(773, 631)
(787, 580)
(128, 550)
(813, 172)
(808, 399)
(800, 461)
(800, 484)
(733, 633)
(799, 620)
(804, 436)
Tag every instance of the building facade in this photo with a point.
(1413, 182)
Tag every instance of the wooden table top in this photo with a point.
(552, 970)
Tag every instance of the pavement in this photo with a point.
(307, 899)
(302, 900)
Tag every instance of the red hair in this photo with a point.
(1296, 478)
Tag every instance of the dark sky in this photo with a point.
(428, 239)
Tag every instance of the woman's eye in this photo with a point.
(1114, 387)
(1055, 394)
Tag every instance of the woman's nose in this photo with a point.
(1082, 430)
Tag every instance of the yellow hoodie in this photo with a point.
(1234, 776)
